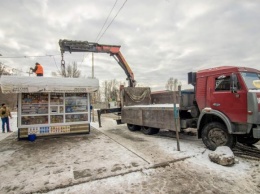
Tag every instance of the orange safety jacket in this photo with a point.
(39, 69)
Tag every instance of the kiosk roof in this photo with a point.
(22, 84)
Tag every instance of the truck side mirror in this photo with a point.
(234, 83)
(192, 78)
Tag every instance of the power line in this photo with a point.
(85, 55)
(55, 62)
(112, 20)
(109, 23)
(106, 20)
(28, 56)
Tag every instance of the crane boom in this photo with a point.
(113, 50)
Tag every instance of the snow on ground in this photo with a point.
(112, 159)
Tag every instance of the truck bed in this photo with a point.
(154, 115)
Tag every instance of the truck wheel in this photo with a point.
(215, 134)
(133, 127)
(247, 140)
(149, 130)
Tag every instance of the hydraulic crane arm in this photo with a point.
(113, 50)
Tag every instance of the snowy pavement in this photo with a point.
(112, 159)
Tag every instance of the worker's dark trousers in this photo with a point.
(40, 74)
(5, 121)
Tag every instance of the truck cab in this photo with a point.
(228, 99)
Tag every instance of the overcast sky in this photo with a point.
(159, 39)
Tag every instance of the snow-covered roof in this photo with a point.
(22, 84)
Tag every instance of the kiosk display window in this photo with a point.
(34, 120)
(76, 118)
(34, 104)
(76, 103)
(53, 108)
(56, 118)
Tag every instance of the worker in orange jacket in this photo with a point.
(38, 69)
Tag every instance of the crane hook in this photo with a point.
(62, 62)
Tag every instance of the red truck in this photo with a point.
(228, 99)
(224, 107)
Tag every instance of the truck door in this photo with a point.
(233, 105)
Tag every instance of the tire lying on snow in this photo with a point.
(133, 127)
(215, 134)
(149, 130)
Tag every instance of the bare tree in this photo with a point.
(175, 84)
(9, 99)
(96, 97)
(69, 71)
(111, 90)
(172, 84)
(3, 70)
(169, 84)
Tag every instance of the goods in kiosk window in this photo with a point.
(56, 99)
(39, 98)
(76, 118)
(34, 103)
(33, 120)
(35, 109)
(56, 109)
(76, 103)
(56, 118)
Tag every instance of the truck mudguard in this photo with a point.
(217, 113)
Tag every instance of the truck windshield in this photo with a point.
(249, 77)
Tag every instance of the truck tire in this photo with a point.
(133, 127)
(247, 140)
(215, 134)
(149, 130)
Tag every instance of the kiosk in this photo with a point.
(51, 106)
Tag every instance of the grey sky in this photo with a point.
(159, 39)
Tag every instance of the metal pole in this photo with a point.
(93, 112)
(29, 72)
(92, 65)
(92, 77)
(176, 116)
(176, 119)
